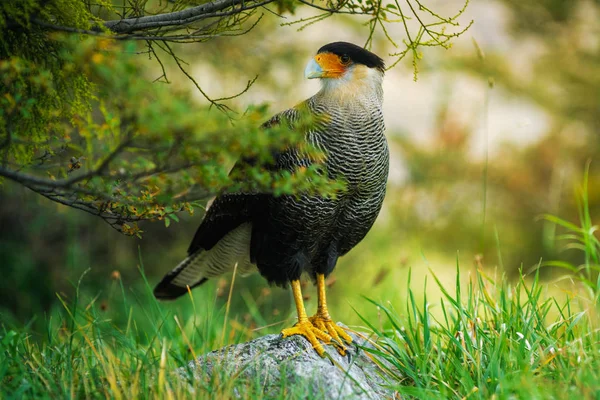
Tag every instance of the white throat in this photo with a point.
(359, 83)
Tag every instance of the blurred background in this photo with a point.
(494, 133)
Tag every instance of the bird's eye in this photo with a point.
(345, 59)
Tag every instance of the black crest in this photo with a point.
(356, 53)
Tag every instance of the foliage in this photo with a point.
(485, 337)
(490, 339)
(81, 125)
(85, 353)
(122, 159)
(582, 239)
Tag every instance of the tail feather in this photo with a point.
(198, 267)
(165, 290)
(176, 282)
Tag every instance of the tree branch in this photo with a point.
(181, 18)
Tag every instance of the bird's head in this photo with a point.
(342, 64)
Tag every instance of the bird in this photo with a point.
(285, 237)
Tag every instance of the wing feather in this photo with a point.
(224, 236)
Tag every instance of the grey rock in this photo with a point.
(282, 363)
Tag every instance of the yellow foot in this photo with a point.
(311, 333)
(337, 333)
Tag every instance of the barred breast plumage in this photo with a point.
(309, 233)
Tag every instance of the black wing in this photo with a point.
(230, 210)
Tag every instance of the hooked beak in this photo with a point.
(313, 70)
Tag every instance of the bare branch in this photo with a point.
(98, 203)
(183, 17)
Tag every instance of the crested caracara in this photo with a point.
(285, 236)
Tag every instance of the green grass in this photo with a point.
(482, 337)
(486, 339)
(87, 353)
(491, 339)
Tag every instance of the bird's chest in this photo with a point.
(355, 148)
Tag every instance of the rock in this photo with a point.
(276, 362)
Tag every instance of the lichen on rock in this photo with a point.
(279, 363)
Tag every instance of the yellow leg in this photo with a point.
(322, 320)
(304, 327)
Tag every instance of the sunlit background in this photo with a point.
(488, 137)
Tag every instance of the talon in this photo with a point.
(319, 328)
(337, 333)
(311, 333)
